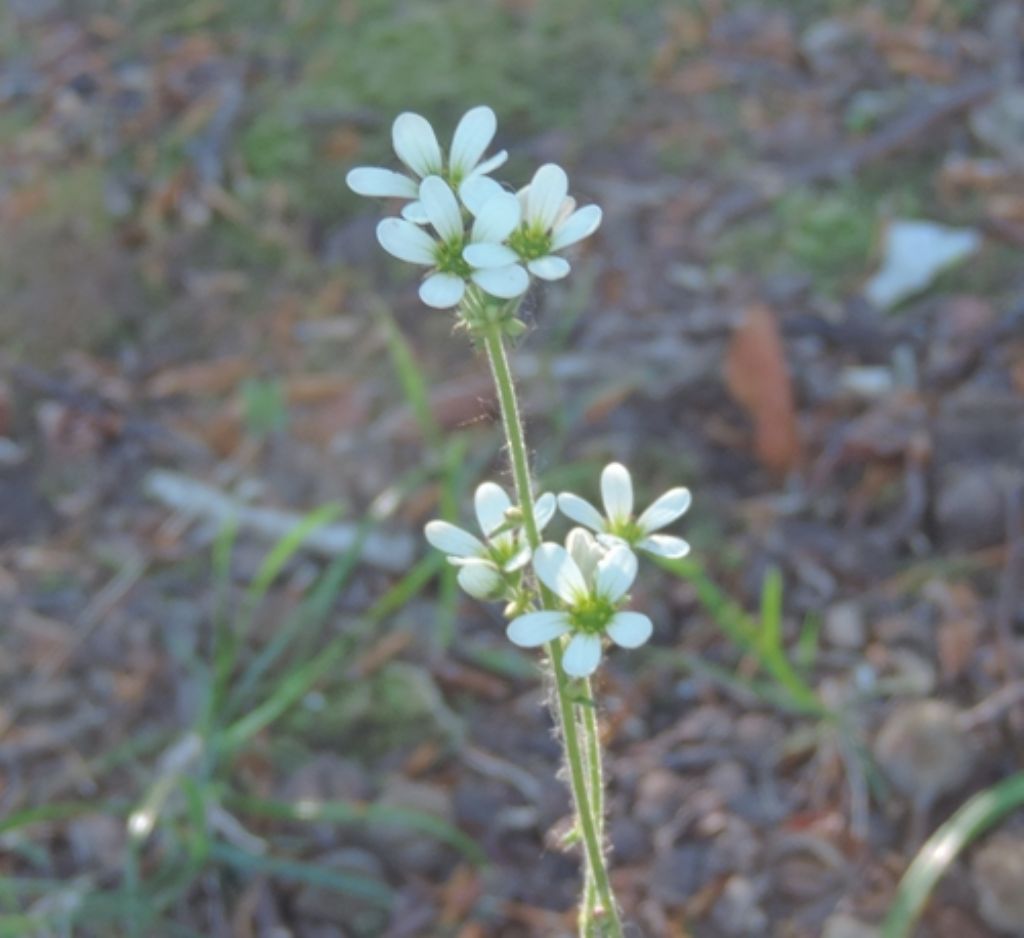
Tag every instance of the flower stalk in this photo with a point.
(586, 785)
(482, 246)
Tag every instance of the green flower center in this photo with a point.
(449, 260)
(592, 615)
(502, 548)
(530, 242)
(627, 529)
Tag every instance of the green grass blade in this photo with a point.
(18, 926)
(285, 549)
(748, 636)
(311, 613)
(59, 811)
(223, 548)
(353, 884)
(727, 614)
(292, 688)
(451, 486)
(301, 630)
(808, 641)
(411, 378)
(771, 613)
(943, 847)
(451, 457)
(221, 645)
(297, 683)
(229, 642)
(741, 686)
(407, 587)
(343, 812)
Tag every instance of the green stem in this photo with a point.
(498, 359)
(587, 908)
(587, 711)
(590, 827)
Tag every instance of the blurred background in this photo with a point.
(239, 696)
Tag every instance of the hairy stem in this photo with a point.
(589, 820)
(587, 712)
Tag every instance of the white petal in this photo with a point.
(665, 509)
(416, 144)
(473, 135)
(616, 572)
(442, 207)
(489, 255)
(579, 225)
(480, 580)
(477, 191)
(559, 573)
(582, 655)
(405, 241)
(498, 218)
(549, 268)
(491, 502)
(544, 510)
(547, 191)
(453, 540)
(630, 629)
(524, 197)
(442, 291)
(414, 211)
(381, 183)
(520, 559)
(537, 628)
(617, 492)
(567, 207)
(581, 511)
(664, 545)
(611, 541)
(584, 550)
(491, 163)
(503, 282)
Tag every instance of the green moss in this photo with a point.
(829, 234)
(274, 145)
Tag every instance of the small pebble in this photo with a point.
(970, 510)
(923, 750)
(844, 626)
(841, 925)
(998, 874)
(738, 910)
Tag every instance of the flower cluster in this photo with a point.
(589, 578)
(489, 567)
(477, 239)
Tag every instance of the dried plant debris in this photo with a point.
(804, 301)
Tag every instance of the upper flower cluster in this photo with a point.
(465, 227)
(589, 577)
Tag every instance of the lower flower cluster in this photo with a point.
(583, 585)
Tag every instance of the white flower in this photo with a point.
(446, 284)
(589, 607)
(618, 524)
(551, 222)
(416, 145)
(504, 548)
